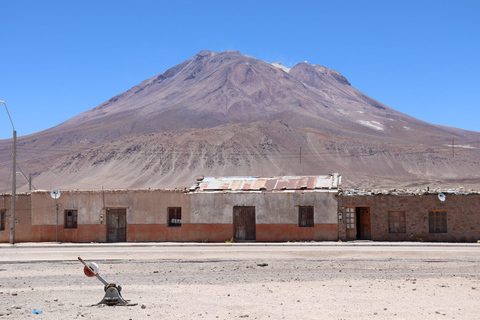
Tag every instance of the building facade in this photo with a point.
(269, 209)
(22, 217)
(264, 209)
(446, 217)
(213, 210)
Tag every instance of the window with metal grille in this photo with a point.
(396, 222)
(70, 219)
(437, 221)
(2, 220)
(305, 216)
(175, 217)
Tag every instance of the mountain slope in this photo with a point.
(231, 114)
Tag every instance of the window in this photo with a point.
(175, 217)
(70, 219)
(396, 221)
(2, 220)
(305, 216)
(437, 221)
(350, 211)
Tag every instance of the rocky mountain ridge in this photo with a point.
(230, 114)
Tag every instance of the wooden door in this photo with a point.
(363, 223)
(244, 223)
(117, 225)
(351, 223)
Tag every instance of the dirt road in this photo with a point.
(243, 281)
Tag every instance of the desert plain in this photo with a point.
(243, 281)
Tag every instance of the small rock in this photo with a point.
(144, 306)
(262, 264)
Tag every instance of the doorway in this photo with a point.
(358, 223)
(244, 223)
(363, 223)
(117, 225)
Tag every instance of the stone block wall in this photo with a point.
(463, 216)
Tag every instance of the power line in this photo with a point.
(57, 174)
(173, 152)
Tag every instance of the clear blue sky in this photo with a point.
(61, 58)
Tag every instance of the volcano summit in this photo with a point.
(225, 113)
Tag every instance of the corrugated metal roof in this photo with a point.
(245, 184)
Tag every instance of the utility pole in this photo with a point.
(14, 188)
(14, 178)
(453, 147)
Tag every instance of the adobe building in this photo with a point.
(448, 216)
(107, 216)
(268, 209)
(213, 210)
(264, 209)
(22, 217)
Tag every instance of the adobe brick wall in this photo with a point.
(22, 216)
(463, 216)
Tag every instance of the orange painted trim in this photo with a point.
(186, 233)
(289, 232)
(83, 233)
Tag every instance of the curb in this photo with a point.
(241, 244)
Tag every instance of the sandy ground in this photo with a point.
(243, 282)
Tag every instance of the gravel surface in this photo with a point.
(246, 283)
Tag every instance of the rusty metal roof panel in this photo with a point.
(210, 184)
(237, 185)
(247, 185)
(271, 183)
(214, 185)
(260, 184)
(323, 183)
(311, 182)
(281, 184)
(292, 184)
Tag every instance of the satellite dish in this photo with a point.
(442, 197)
(55, 194)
